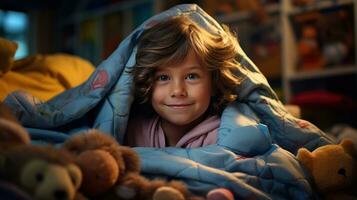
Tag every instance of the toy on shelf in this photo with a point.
(325, 37)
(309, 50)
(337, 36)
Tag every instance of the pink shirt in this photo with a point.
(149, 133)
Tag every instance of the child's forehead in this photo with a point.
(170, 67)
(190, 61)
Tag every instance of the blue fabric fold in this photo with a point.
(242, 134)
(256, 139)
(276, 174)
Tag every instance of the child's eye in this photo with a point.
(162, 78)
(192, 76)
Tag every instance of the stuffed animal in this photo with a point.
(101, 159)
(309, 50)
(333, 168)
(42, 172)
(112, 171)
(11, 132)
(7, 53)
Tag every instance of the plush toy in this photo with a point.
(101, 159)
(309, 50)
(112, 171)
(333, 168)
(7, 53)
(11, 132)
(42, 172)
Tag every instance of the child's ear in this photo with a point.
(305, 157)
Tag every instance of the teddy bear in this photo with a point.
(39, 172)
(7, 53)
(333, 169)
(112, 171)
(11, 132)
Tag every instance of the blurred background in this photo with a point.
(305, 48)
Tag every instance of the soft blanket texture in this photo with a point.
(248, 158)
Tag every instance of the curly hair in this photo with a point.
(170, 41)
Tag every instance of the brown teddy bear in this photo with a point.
(333, 168)
(41, 172)
(11, 132)
(112, 171)
(7, 53)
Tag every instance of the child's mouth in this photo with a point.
(179, 105)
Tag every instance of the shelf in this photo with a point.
(245, 15)
(106, 10)
(121, 6)
(337, 71)
(97, 29)
(320, 5)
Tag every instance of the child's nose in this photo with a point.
(178, 89)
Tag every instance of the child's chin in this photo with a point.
(183, 121)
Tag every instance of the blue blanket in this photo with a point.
(257, 138)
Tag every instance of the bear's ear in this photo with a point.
(349, 147)
(76, 175)
(131, 159)
(306, 158)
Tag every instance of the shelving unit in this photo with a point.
(93, 30)
(332, 72)
(287, 74)
(338, 71)
(246, 15)
(324, 4)
(291, 71)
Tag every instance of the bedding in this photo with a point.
(257, 137)
(44, 76)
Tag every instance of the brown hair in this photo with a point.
(170, 42)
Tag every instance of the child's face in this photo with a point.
(181, 92)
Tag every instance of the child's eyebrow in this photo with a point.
(199, 67)
(192, 67)
(161, 69)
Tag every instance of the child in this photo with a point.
(183, 75)
(183, 79)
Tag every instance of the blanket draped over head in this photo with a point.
(256, 139)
